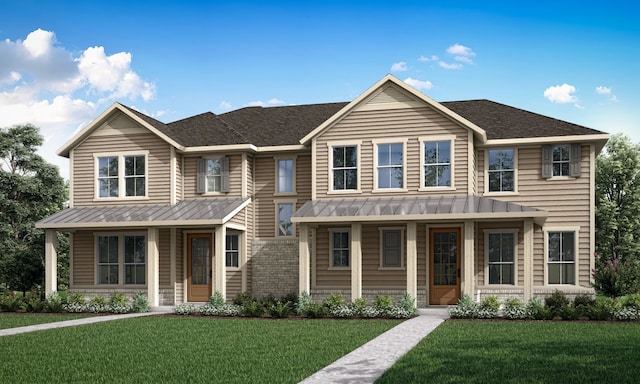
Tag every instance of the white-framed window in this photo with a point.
(391, 247)
(437, 167)
(121, 175)
(284, 212)
(501, 256)
(561, 160)
(121, 258)
(501, 170)
(213, 175)
(390, 164)
(232, 250)
(561, 250)
(285, 175)
(344, 167)
(340, 256)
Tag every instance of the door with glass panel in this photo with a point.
(199, 266)
(444, 266)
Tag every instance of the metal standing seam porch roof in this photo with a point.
(413, 209)
(213, 211)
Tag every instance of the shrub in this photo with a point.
(118, 298)
(32, 301)
(342, 311)
(185, 309)
(358, 305)
(556, 303)
(408, 304)
(488, 308)
(383, 302)
(54, 302)
(514, 309)
(584, 305)
(536, 309)
(602, 309)
(242, 297)
(140, 303)
(316, 311)
(333, 300)
(371, 312)
(399, 312)
(217, 300)
(99, 300)
(267, 301)
(10, 302)
(632, 300)
(252, 309)
(569, 312)
(303, 304)
(615, 278)
(465, 309)
(76, 298)
(280, 309)
(291, 298)
(629, 313)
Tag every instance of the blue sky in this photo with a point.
(63, 63)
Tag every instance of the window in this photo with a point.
(213, 175)
(285, 175)
(501, 170)
(232, 251)
(340, 248)
(501, 257)
(391, 248)
(436, 163)
(561, 257)
(344, 168)
(285, 226)
(117, 170)
(134, 259)
(561, 160)
(117, 253)
(390, 171)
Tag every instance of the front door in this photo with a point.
(444, 266)
(199, 267)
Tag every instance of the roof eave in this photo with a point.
(539, 217)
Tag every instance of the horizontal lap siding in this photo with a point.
(191, 176)
(159, 159)
(264, 190)
(179, 177)
(83, 258)
(410, 124)
(324, 276)
(234, 283)
(372, 276)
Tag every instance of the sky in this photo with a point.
(62, 63)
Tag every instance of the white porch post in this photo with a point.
(528, 259)
(220, 282)
(356, 261)
(303, 264)
(468, 259)
(153, 266)
(412, 261)
(51, 262)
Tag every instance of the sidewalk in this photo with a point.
(367, 363)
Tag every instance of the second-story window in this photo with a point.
(344, 167)
(114, 171)
(285, 176)
(561, 160)
(437, 163)
(285, 226)
(213, 175)
(390, 165)
(501, 170)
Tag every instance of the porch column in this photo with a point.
(412, 261)
(356, 261)
(528, 259)
(153, 267)
(51, 261)
(220, 282)
(468, 259)
(303, 264)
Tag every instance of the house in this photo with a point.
(392, 192)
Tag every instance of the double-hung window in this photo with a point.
(285, 169)
(561, 160)
(284, 213)
(134, 259)
(501, 170)
(232, 250)
(561, 257)
(391, 248)
(116, 171)
(437, 164)
(213, 175)
(121, 258)
(344, 168)
(501, 257)
(340, 248)
(390, 165)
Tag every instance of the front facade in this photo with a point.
(390, 193)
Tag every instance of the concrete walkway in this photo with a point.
(367, 363)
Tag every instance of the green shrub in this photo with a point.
(514, 309)
(569, 312)
(10, 302)
(118, 298)
(316, 311)
(242, 297)
(465, 309)
(75, 298)
(32, 301)
(291, 298)
(267, 301)
(602, 309)
(584, 305)
(536, 309)
(632, 300)
(185, 309)
(252, 309)
(280, 309)
(383, 302)
(140, 303)
(304, 304)
(54, 302)
(556, 303)
(408, 304)
(99, 300)
(217, 300)
(333, 300)
(358, 306)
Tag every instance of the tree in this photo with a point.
(30, 189)
(618, 217)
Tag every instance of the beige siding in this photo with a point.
(303, 177)
(481, 257)
(407, 123)
(179, 177)
(234, 283)
(84, 173)
(165, 258)
(326, 277)
(191, 175)
(83, 259)
(239, 218)
(372, 275)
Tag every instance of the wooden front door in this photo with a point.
(199, 266)
(444, 266)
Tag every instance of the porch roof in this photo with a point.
(193, 212)
(422, 208)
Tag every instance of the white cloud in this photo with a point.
(260, 103)
(225, 105)
(450, 66)
(561, 94)
(419, 84)
(464, 59)
(460, 50)
(606, 91)
(425, 59)
(399, 67)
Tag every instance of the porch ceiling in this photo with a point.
(212, 211)
(427, 208)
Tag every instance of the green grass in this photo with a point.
(13, 320)
(191, 349)
(522, 352)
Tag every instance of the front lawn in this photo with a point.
(522, 352)
(13, 320)
(166, 349)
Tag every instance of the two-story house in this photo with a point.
(392, 192)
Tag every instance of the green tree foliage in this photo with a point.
(618, 217)
(30, 189)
